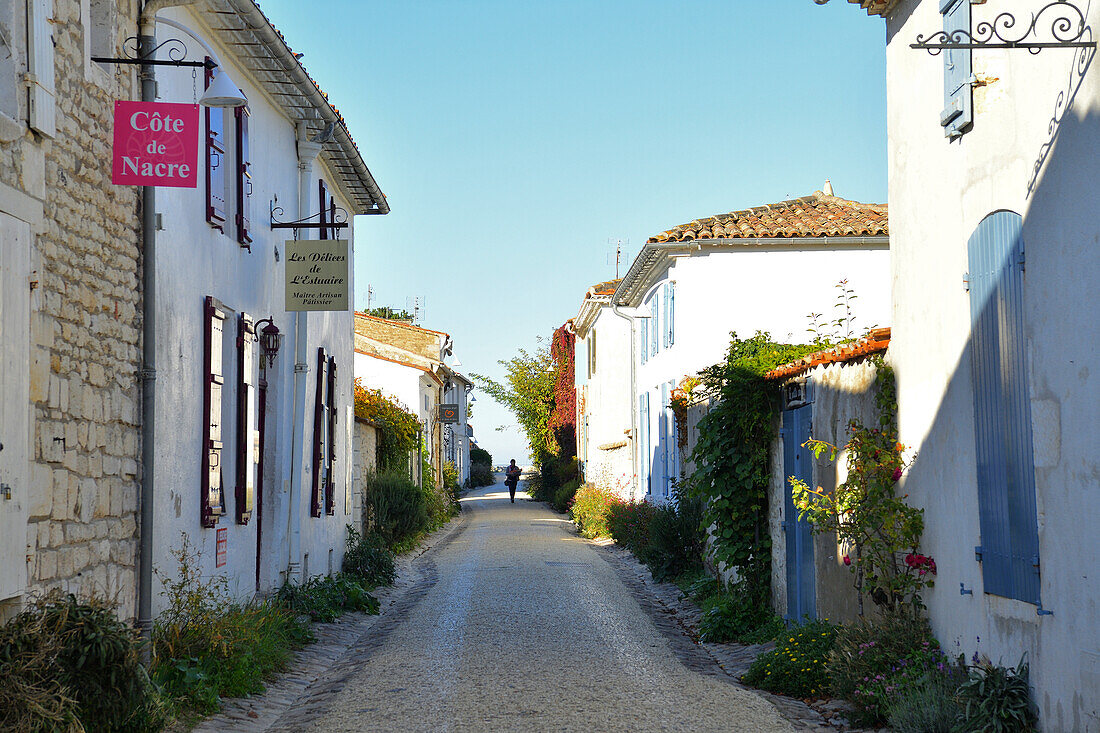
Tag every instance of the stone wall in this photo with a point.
(419, 341)
(85, 330)
(364, 446)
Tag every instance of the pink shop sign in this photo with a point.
(156, 144)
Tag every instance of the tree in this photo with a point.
(528, 391)
(389, 313)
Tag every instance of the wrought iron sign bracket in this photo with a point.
(340, 219)
(1067, 27)
(175, 48)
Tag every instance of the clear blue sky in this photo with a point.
(513, 139)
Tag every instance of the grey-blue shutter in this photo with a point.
(643, 352)
(655, 327)
(664, 315)
(671, 318)
(958, 109)
(662, 438)
(1002, 410)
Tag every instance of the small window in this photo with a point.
(216, 163)
(212, 496)
(321, 406)
(244, 180)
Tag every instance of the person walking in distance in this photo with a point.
(511, 478)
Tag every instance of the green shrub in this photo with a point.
(873, 697)
(396, 508)
(325, 598)
(996, 699)
(206, 647)
(450, 480)
(734, 616)
(675, 539)
(481, 468)
(629, 523)
(926, 706)
(590, 510)
(797, 665)
(70, 664)
(368, 559)
(564, 496)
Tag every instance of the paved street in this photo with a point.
(516, 623)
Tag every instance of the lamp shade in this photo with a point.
(222, 92)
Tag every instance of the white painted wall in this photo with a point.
(745, 290)
(1032, 149)
(607, 403)
(195, 260)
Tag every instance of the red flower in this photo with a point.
(847, 560)
(897, 473)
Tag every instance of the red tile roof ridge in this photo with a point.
(816, 215)
(876, 341)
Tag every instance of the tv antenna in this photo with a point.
(617, 245)
(416, 307)
(370, 296)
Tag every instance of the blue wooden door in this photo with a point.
(798, 462)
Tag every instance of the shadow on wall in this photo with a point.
(1052, 391)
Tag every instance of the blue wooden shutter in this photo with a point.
(957, 99)
(664, 315)
(670, 319)
(1009, 548)
(643, 352)
(656, 325)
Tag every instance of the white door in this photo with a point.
(14, 403)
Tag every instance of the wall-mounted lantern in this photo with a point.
(270, 340)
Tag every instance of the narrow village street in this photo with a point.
(510, 621)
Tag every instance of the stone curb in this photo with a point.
(319, 671)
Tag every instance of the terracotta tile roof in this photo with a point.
(817, 215)
(399, 323)
(874, 343)
(876, 7)
(605, 288)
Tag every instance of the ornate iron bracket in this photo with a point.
(1067, 27)
(340, 219)
(174, 47)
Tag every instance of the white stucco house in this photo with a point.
(993, 155)
(407, 362)
(602, 376)
(456, 433)
(760, 269)
(253, 461)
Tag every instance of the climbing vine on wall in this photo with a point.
(397, 427)
(563, 418)
(732, 455)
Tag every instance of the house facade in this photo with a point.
(407, 362)
(264, 491)
(693, 285)
(602, 374)
(70, 302)
(994, 341)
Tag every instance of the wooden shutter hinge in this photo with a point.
(966, 282)
(978, 553)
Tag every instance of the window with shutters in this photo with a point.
(248, 432)
(244, 179)
(327, 204)
(643, 342)
(1009, 549)
(216, 162)
(320, 435)
(957, 97)
(330, 439)
(592, 353)
(212, 498)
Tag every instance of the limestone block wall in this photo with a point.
(85, 329)
(364, 462)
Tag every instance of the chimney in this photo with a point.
(828, 189)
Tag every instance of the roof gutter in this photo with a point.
(261, 27)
